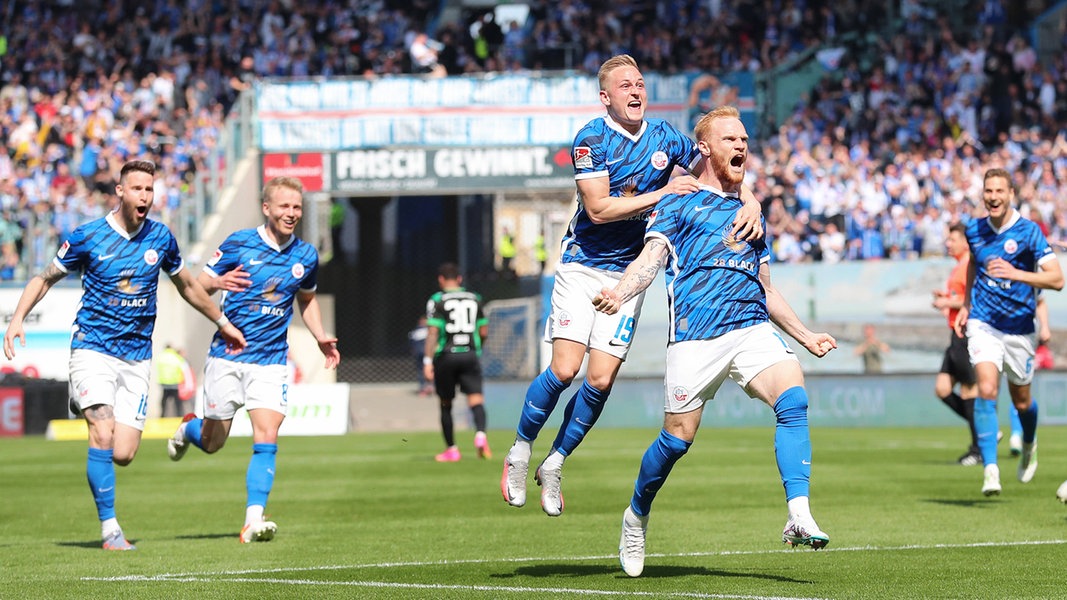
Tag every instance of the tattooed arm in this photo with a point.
(636, 279)
(31, 295)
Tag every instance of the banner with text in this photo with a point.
(47, 327)
(486, 110)
(401, 171)
(314, 409)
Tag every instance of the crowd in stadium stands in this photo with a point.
(873, 164)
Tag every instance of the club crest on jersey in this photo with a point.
(270, 289)
(1011, 246)
(151, 257)
(564, 319)
(730, 241)
(680, 394)
(126, 285)
(215, 258)
(63, 249)
(298, 270)
(582, 158)
(659, 160)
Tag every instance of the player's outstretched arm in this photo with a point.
(602, 207)
(35, 289)
(787, 320)
(636, 279)
(197, 297)
(236, 280)
(311, 313)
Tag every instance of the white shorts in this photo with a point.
(574, 318)
(696, 369)
(229, 385)
(98, 378)
(1011, 353)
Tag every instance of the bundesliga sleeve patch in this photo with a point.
(215, 258)
(583, 159)
(63, 249)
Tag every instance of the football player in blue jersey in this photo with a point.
(1010, 261)
(119, 257)
(623, 164)
(261, 271)
(722, 304)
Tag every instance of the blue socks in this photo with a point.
(985, 423)
(101, 474)
(541, 398)
(582, 413)
(792, 443)
(260, 476)
(656, 464)
(1013, 418)
(193, 427)
(1028, 422)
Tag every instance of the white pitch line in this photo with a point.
(235, 576)
(494, 588)
(529, 559)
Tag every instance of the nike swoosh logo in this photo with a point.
(700, 208)
(530, 404)
(611, 162)
(255, 262)
(105, 490)
(805, 462)
(104, 256)
(582, 423)
(614, 342)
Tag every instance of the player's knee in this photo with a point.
(601, 381)
(988, 390)
(122, 459)
(565, 373)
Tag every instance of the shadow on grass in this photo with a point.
(206, 536)
(95, 544)
(651, 571)
(968, 503)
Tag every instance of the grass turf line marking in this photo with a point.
(385, 565)
(519, 589)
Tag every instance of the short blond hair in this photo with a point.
(721, 112)
(281, 182)
(619, 60)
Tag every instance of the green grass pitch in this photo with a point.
(373, 516)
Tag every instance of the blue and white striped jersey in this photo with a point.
(713, 284)
(120, 279)
(1009, 306)
(263, 311)
(634, 165)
